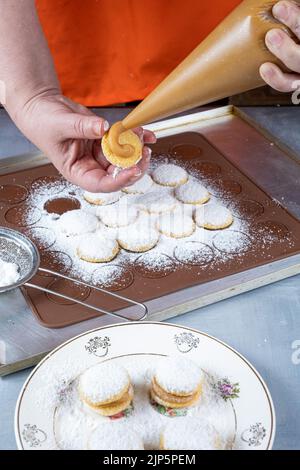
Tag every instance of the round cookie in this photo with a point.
(156, 202)
(116, 407)
(192, 192)
(187, 403)
(213, 217)
(170, 175)
(118, 215)
(190, 434)
(125, 138)
(78, 222)
(169, 400)
(139, 237)
(176, 224)
(113, 436)
(95, 248)
(103, 383)
(140, 187)
(102, 199)
(179, 376)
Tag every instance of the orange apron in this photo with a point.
(115, 51)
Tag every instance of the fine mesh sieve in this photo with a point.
(17, 248)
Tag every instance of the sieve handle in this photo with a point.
(92, 307)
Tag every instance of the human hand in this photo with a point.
(285, 48)
(69, 134)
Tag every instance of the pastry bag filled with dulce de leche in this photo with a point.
(226, 63)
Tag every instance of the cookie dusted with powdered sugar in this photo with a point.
(78, 222)
(176, 224)
(156, 202)
(190, 434)
(96, 248)
(141, 186)
(113, 436)
(170, 175)
(139, 237)
(192, 192)
(102, 199)
(118, 215)
(213, 217)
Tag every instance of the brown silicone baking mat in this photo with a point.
(273, 233)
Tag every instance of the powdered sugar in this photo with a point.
(103, 382)
(141, 186)
(192, 193)
(118, 215)
(157, 202)
(200, 248)
(102, 199)
(97, 248)
(213, 215)
(74, 423)
(78, 222)
(138, 237)
(189, 434)
(169, 174)
(176, 224)
(178, 375)
(9, 273)
(114, 436)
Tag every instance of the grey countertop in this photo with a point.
(263, 325)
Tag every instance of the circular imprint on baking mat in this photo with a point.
(232, 242)
(56, 261)
(226, 188)
(65, 287)
(248, 209)
(194, 253)
(188, 151)
(208, 169)
(42, 237)
(13, 193)
(154, 265)
(48, 184)
(113, 277)
(60, 205)
(271, 231)
(23, 216)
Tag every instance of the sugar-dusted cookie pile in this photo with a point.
(165, 403)
(170, 212)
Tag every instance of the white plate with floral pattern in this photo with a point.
(236, 391)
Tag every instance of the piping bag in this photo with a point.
(226, 63)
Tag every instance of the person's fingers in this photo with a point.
(124, 178)
(145, 161)
(288, 13)
(79, 126)
(149, 137)
(89, 175)
(146, 136)
(277, 79)
(283, 47)
(77, 107)
(139, 132)
(98, 154)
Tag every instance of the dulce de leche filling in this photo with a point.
(121, 150)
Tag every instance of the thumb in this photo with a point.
(80, 126)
